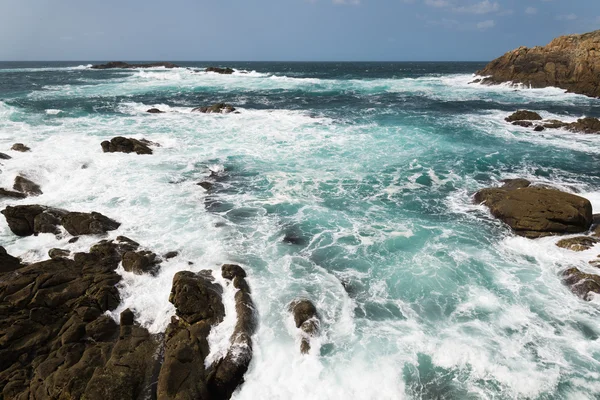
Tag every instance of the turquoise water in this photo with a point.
(349, 184)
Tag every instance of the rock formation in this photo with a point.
(307, 320)
(127, 145)
(218, 108)
(537, 211)
(20, 147)
(27, 186)
(569, 62)
(218, 70)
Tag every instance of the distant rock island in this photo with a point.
(569, 62)
(120, 64)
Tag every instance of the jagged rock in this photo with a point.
(20, 147)
(141, 262)
(155, 111)
(170, 254)
(554, 124)
(306, 319)
(126, 145)
(579, 243)
(523, 115)
(539, 128)
(4, 156)
(11, 195)
(585, 125)
(206, 185)
(218, 70)
(535, 211)
(58, 253)
(26, 186)
(228, 373)
(217, 108)
(124, 65)
(582, 284)
(79, 223)
(7, 262)
(524, 124)
(569, 62)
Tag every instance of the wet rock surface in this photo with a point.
(27, 186)
(7, 262)
(569, 62)
(523, 115)
(28, 220)
(4, 193)
(581, 283)
(579, 243)
(20, 147)
(120, 64)
(307, 320)
(4, 156)
(218, 70)
(155, 111)
(127, 145)
(585, 125)
(217, 108)
(537, 211)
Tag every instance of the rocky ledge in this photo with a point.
(528, 119)
(217, 108)
(569, 62)
(127, 145)
(534, 211)
(124, 65)
(219, 70)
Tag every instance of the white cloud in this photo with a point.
(479, 8)
(567, 17)
(437, 3)
(531, 10)
(486, 24)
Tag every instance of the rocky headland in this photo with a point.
(569, 62)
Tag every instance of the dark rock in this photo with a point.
(579, 243)
(585, 125)
(524, 124)
(218, 70)
(24, 185)
(569, 62)
(523, 115)
(123, 65)
(141, 262)
(535, 212)
(512, 184)
(306, 319)
(155, 111)
(21, 219)
(7, 262)
(170, 254)
(539, 128)
(74, 239)
(197, 298)
(4, 156)
(218, 108)
(475, 81)
(126, 145)
(554, 124)
(11, 195)
(79, 223)
(20, 147)
(206, 185)
(582, 284)
(58, 253)
(232, 271)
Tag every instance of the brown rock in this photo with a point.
(24, 185)
(585, 125)
(218, 108)
(307, 319)
(126, 145)
(554, 124)
(20, 147)
(569, 62)
(141, 262)
(536, 212)
(523, 115)
(579, 243)
(524, 124)
(581, 284)
(79, 223)
(7, 262)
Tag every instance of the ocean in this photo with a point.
(349, 184)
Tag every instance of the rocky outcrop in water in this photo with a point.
(579, 243)
(581, 283)
(218, 70)
(4, 193)
(537, 211)
(523, 115)
(127, 145)
(307, 320)
(20, 147)
(27, 186)
(218, 108)
(569, 62)
(30, 220)
(124, 65)
(155, 111)
(585, 125)
(524, 118)
(4, 156)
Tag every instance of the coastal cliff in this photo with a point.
(569, 62)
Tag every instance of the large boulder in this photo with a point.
(585, 125)
(7, 262)
(126, 145)
(307, 320)
(124, 65)
(79, 223)
(582, 284)
(523, 115)
(11, 194)
(569, 62)
(218, 108)
(218, 70)
(537, 211)
(20, 147)
(27, 186)
(155, 111)
(141, 262)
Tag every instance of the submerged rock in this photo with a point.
(523, 115)
(524, 124)
(155, 111)
(535, 211)
(218, 70)
(26, 186)
(11, 194)
(582, 284)
(58, 253)
(126, 145)
(4, 156)
(579, 243)
(217, 108)
(569, 62)
(120, 64)
(539, 128)
(20, 147)
(585, 125)
(307, 320)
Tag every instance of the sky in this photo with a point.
(284, 30)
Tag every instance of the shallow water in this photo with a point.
(368, 169)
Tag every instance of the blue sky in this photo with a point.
(287, 30)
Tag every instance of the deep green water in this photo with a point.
(347, 183)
